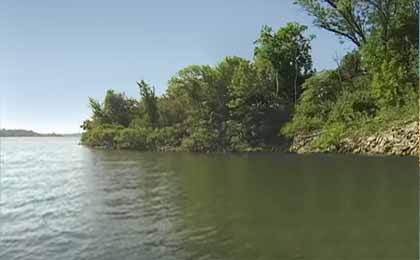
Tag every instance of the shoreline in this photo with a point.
(388, 143)
(400, 140)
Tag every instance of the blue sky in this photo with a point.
(55, 54)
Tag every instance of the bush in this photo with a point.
(101, 136)
(200, 140)
(331, 135)
(132, 138)
(328, 103)
(390, 83)
(165, 137)
(353, 105)
(301, 124)
(319, 96)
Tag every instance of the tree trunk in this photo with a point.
(295, 81)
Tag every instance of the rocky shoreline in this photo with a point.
(401, 140)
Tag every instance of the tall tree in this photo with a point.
(288, 51)
(347, 18)
(386, 32)
(255, 109)
(357, 19)
(149, 102)
(116, 108)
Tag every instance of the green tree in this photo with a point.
(390, 53)
(149, 103)
(255, 109)
(346, 18)
(288, 51)
(116, 109)
(98, 115)
(198, 89)
(386, 32)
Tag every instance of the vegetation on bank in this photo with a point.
(375, 86)
(241, 105)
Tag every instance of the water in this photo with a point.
(60, 200)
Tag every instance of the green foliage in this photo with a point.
(149, 104)
(98, 113)
(353, 105)
(200, 140)
(389, 84)
(241, 105)
(132, 138)
(375, 86)
(117, 109)
(101, 136)
(351, 67)
(331, 135)
(385, 119)
(319, 96)
(164, 138)
(171, 110)
(230, 107)
(346, 18)
(237, 141)
(393, 68)
(254, 106)
(288, 52)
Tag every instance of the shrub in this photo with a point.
(353, 105)
(132, 138)
(301, 124)
(319, 95)
(164, 137)
(331, 135)
(200, 140)
(101, 136)
(390, 83)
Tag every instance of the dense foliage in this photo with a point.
(241, 105)
(375, 86)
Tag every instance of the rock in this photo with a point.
(401, 140)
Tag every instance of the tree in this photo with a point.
(346, 18)
(288, 51)
(390, 54)
(98, 113)
(203, 97)
(149, 102)
(255, 109)
(356, 20)
(171, 111)
(386, 32)
(116, 109)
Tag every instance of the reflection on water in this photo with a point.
(60, 200)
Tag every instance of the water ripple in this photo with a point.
(60, 200)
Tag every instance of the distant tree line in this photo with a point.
(23, 133)
(241, 105)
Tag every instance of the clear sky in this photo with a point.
(55, 54)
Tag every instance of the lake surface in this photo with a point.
(60, 200)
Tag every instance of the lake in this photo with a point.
(60, 200)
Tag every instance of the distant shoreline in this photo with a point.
(30, 133)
